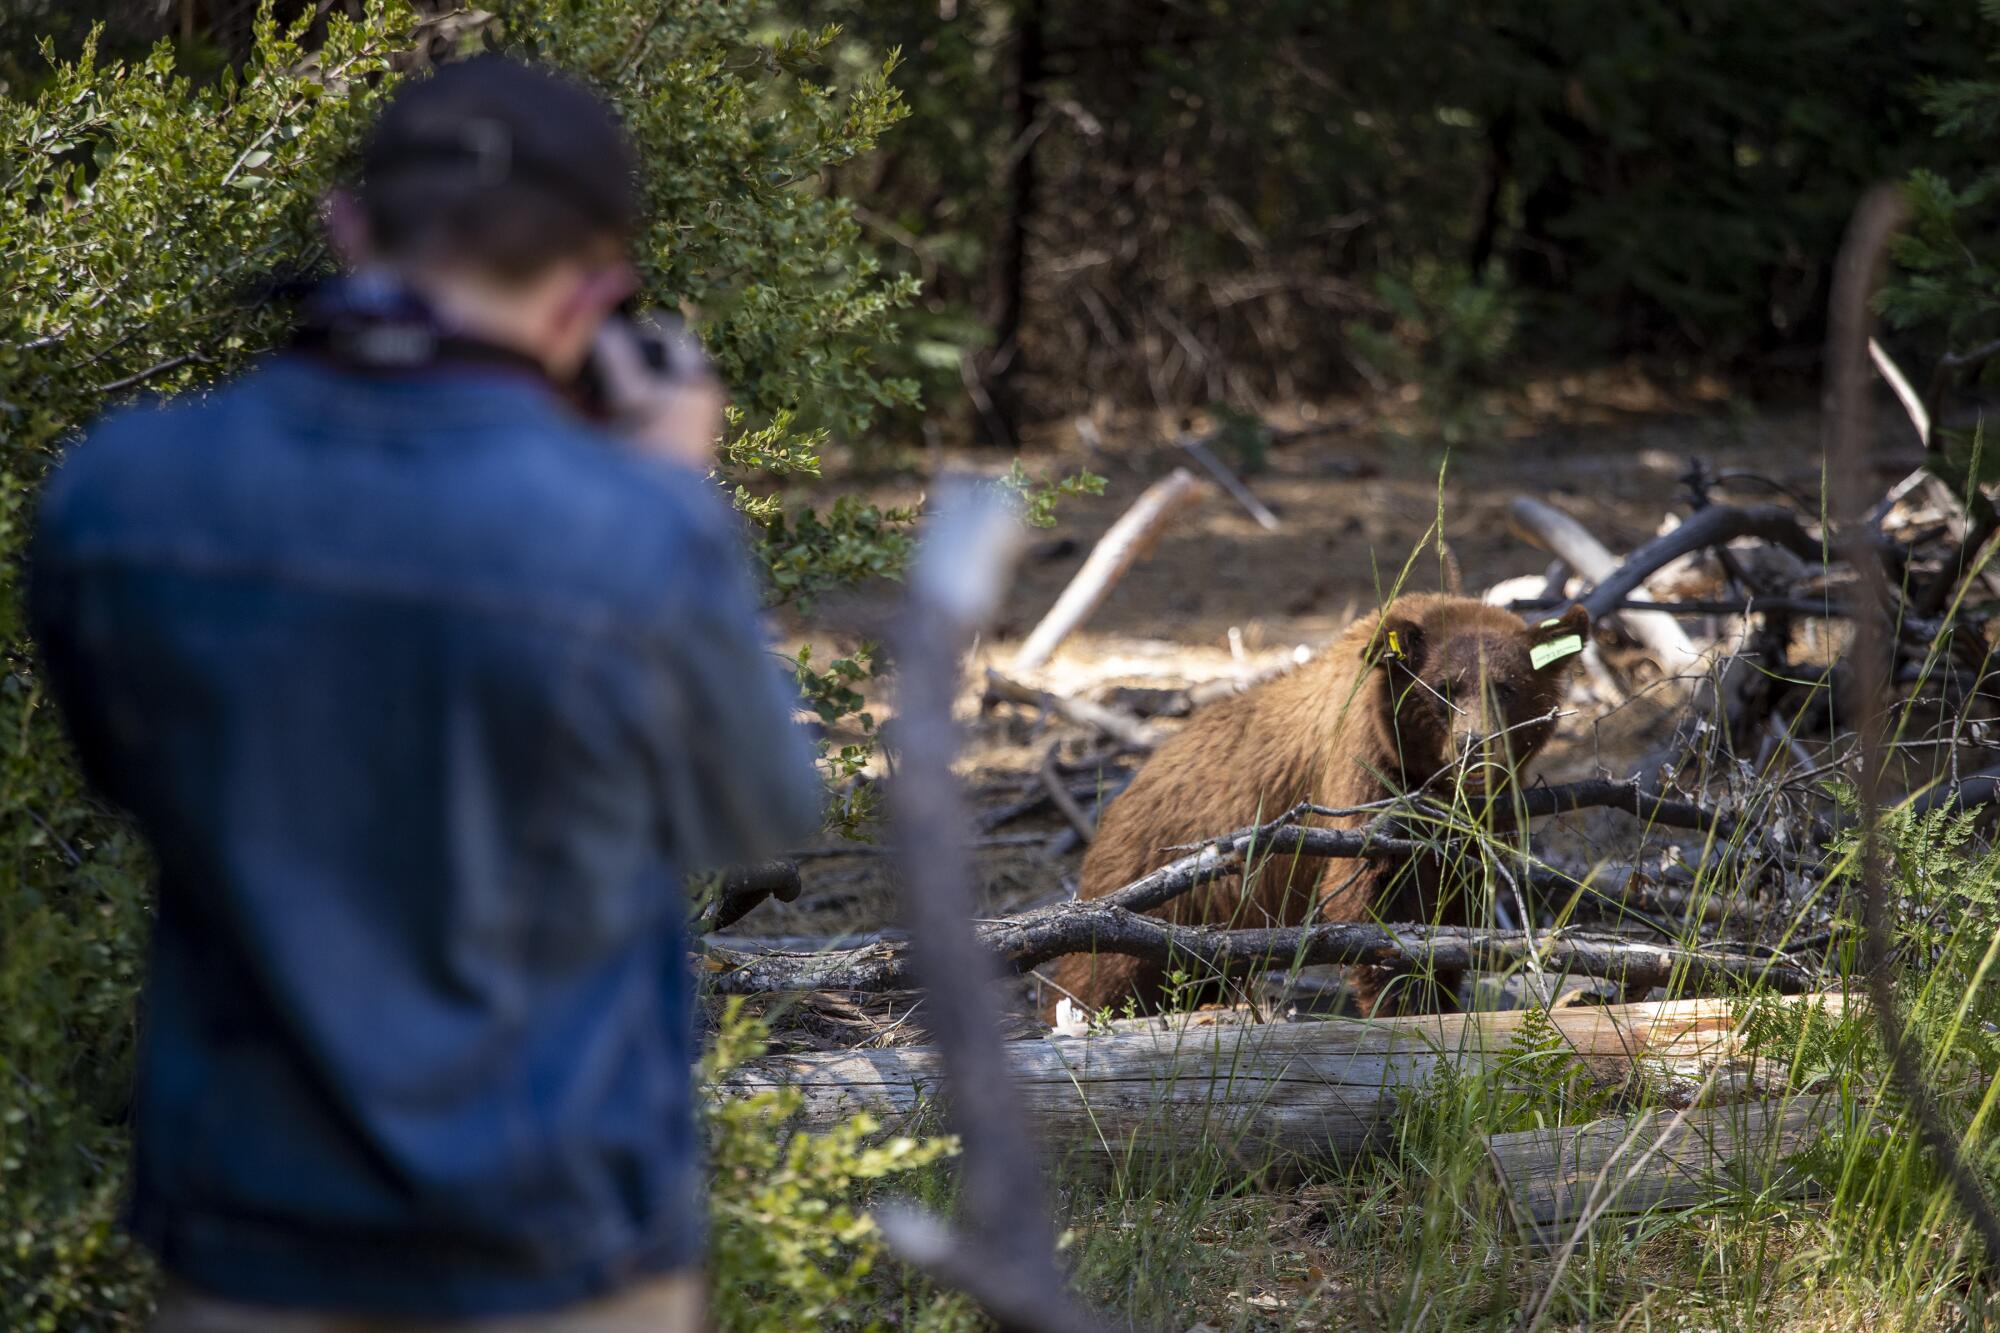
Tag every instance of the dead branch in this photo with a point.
(1099, 791)
(1114, 924)
(1717, 525)
(1059, 796)
(1005, 1255)
(1229, 481)
(1118, 725)
(1857, 273)
(1602, 793)
(744, 887)
(1981, 788)
(1128, 540)
(1820, 607)
(1913, 407)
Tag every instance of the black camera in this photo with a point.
(665, 344)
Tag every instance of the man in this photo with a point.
(426, 691)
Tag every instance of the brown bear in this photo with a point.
(1435, 691)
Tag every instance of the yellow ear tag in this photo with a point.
(1554, 650)
(1395, 646)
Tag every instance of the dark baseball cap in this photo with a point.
(491, 136)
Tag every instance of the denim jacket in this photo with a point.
(425, 695)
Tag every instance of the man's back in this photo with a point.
(426, 696)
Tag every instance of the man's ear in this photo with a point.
(1554, 644)
(346, 228)
(1397, 639)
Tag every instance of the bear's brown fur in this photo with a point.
(1432, 691)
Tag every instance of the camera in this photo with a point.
(666, 347)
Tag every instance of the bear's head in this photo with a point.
(1470, 691)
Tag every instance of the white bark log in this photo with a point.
(1130, 538)
(1322, 1090)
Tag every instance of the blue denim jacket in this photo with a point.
(425, 695)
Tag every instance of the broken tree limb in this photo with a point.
(1229, 481)
(1280, 1093)
(1099, 791)
(1059, 796)
(1118, 725)
(1557, 1179)
(744, 887)
(1002, 1253)
(1823, 608)
(1715, 526)
(1913, 406)
(1127, 540)
(1558, 533)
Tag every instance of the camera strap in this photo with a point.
(374, 324)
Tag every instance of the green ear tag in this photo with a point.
(1554, 650)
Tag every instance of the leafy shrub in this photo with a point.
(142, 218)
(792, 1248)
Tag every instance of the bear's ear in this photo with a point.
(1397, 639)
(1554, 644)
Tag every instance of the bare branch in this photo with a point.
(1115, 723)
(1857, 273)
(1006, 1257)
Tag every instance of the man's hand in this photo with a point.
(675, 417)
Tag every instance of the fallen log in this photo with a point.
(1279, 1094)
(1131, 537)
(1559, 1181)
(1051, 932)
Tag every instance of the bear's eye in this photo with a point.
(1442, 695)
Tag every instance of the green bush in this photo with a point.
(142, 219)
(792, 1247)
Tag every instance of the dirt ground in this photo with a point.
(1220, 596)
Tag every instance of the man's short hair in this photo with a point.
(497, 166)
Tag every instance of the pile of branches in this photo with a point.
(1741, 777)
